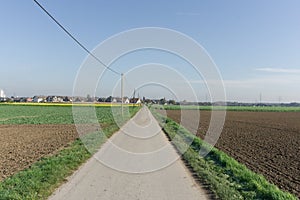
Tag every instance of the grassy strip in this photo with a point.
(43, 177)
(231, 108)
(227, 178)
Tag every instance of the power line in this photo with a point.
(70, 35)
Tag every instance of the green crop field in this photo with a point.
(55, 114)
(10, 114)
(230, 108)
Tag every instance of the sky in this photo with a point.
(254, 44)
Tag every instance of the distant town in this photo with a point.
(68, 99)
(127, 100)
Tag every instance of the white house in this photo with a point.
(54, 99)
(126, 100)
(138, 101)
(37, 99)
(135, 100)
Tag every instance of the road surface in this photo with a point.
(138, 162)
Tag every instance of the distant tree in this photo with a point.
(171, 102)
(162, 101)
(108, 99)
(66, 99)
(101, 99)
(147, 101)
(89, 98)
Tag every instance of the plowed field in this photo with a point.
(22, 145)
(266, 142)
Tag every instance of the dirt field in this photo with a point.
(22, 145)
(266, 142)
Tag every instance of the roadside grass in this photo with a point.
(230, 108)
(227, 178)
(43, 177)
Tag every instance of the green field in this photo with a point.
(10, 114)
(230, 108)
(54, 114)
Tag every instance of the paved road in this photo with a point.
(138, 162)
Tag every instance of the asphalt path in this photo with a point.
(137, 162)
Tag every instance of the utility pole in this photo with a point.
(122, 92)
(260, 98)
(279, 99)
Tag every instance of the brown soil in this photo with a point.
(266, 142)
(22, 145)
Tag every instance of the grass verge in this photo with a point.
(44, 176)
(227, 178)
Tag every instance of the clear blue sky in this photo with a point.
(255, 44)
